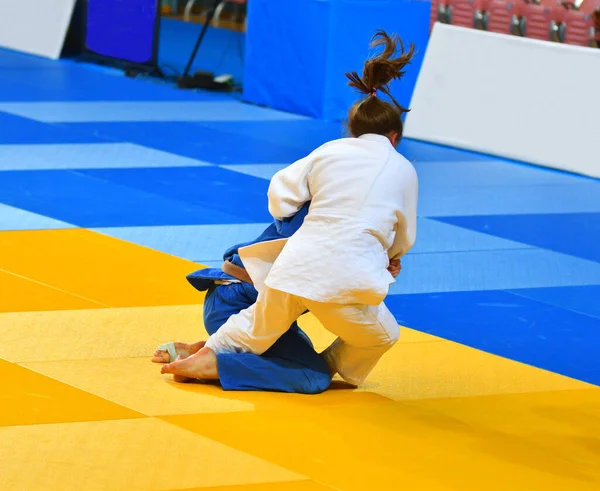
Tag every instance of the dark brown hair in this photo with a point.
(372, 114)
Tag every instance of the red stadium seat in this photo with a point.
(499, 16)
(466, 13)
(573, 23)
(534, 19)
(439, 12)
(596, 37)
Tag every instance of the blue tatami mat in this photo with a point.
(493, 270)
(420, 151)
(489, 173)
(582, 299)
(12, 60)
(91, 202)
(508, 325)
(88, 156)
(17, 219)
(210, 187)
(436, 236)
(85, 112)
(18, 130)
(577, 234)
(197, 141)
(507, 258)
(510, 200)
(264, 171)
(199, 243)
(305, 134)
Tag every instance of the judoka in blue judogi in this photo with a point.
(291, 364)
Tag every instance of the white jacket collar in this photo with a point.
(376, 138)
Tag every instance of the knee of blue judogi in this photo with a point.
(290, 365)
(248, 372)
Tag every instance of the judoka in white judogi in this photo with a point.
(363, 213)
(339, 264)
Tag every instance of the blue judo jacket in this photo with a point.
(204, 279)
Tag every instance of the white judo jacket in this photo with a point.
(363, 213)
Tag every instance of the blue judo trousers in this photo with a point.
(291, 364)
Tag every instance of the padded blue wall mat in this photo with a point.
(577, 234)
(310, 80)
(275, 32)
(508, 325)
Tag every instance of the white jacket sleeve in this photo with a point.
(406, 229)
(289, 189)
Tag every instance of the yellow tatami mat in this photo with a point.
(424, 446)
(96, 267)
(30, 398)
(83, 408)
(22, 294)
(125, 455)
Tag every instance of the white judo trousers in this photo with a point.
(363, 213)
(364, 332)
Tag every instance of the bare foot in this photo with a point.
(183, 351)
(200, 365)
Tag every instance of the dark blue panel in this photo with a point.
(17, 130)
(211, 187)
(197, 141)
(88, 202)
(123, 30)
(583, 299)
(508, 325)
(577, 234)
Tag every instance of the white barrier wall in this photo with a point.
(522, 99)
(38, 27)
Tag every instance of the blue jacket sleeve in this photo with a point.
(203, 279)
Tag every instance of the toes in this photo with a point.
(161, 357)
